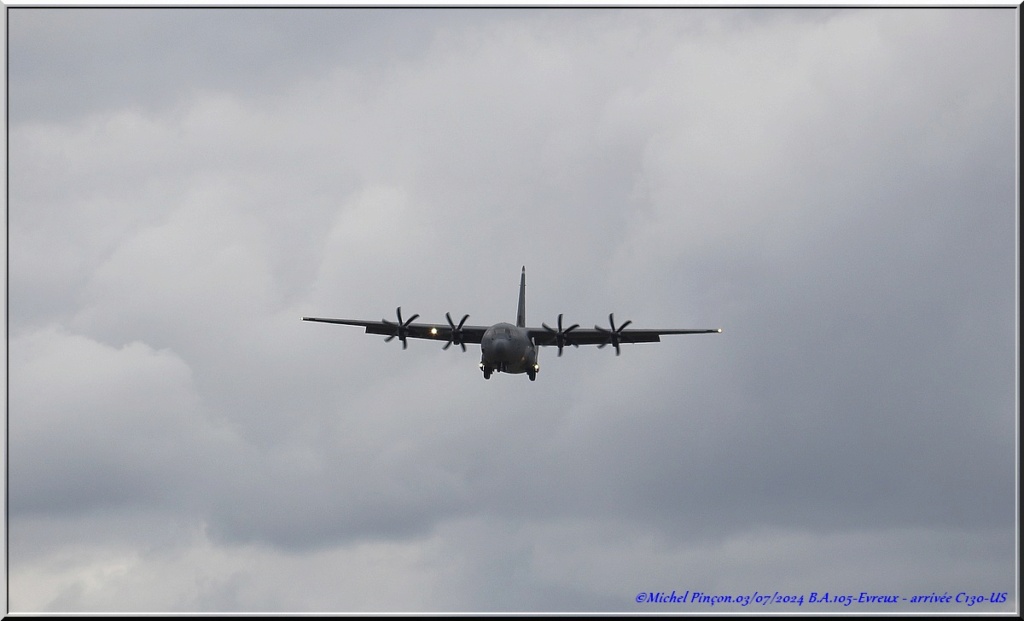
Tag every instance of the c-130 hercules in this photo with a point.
(508, 348)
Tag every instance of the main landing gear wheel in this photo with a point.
(487, 372)
(532, 375)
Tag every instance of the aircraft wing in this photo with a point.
(448, 333)
(592, 336)
(575, 335)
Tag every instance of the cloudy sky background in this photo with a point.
(833, 188)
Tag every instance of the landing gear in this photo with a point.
(532, 375)
(487, 371)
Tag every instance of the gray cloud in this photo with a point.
(833, 188)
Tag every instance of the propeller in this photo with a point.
(562, 336)
(401, 328)
(456, 337)
(615, 335)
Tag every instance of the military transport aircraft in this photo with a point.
(509, 348)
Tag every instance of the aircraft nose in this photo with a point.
(499, 349)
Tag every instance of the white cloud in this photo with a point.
(96, 427)
(197, 574)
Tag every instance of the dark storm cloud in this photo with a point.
(252, 52)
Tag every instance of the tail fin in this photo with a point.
(521, 315)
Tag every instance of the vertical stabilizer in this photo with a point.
(521, 315)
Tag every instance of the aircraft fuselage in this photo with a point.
(508, 349)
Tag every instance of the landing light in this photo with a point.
(433, 331)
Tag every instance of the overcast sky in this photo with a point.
(835, 189)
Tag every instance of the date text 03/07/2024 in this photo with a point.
(814, 597)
